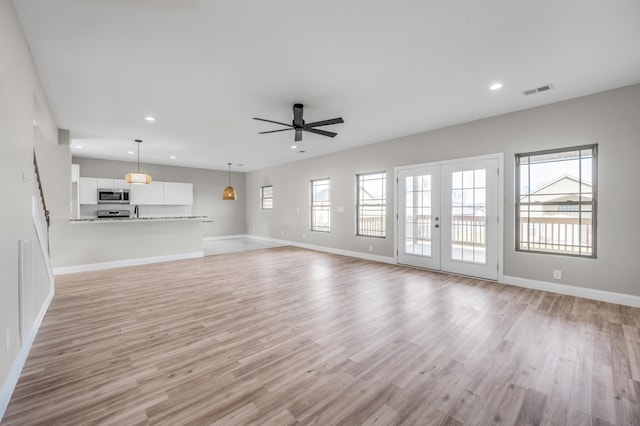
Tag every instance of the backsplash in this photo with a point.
(89, 211)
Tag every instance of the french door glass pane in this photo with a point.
(418, 215)
(468, 216)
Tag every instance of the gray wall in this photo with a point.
(228, 216)
(21, 101)
(611, 119)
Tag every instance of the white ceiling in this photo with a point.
(204, 68)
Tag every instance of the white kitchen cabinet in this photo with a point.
(88, 190)
(104, 183)
(176, 193)
(154, 194)
(150, 194)
(120, 184)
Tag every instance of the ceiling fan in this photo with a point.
(299, 125)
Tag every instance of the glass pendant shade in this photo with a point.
(229, 194)
(137, 177)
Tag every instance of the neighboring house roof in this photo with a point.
(564, 188)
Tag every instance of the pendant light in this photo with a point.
(229, 193)
(137, 177)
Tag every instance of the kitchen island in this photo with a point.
(93, 244)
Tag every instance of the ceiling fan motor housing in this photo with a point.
(299, 125)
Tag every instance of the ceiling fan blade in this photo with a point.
(274, 122)
(298, 135)
(319, 132)
(274, 131)
(325, 122)
(297, 115)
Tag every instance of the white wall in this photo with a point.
(611, 119)
(21, 101)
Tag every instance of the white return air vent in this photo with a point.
(25, 286)
(538, 90)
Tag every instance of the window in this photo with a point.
(266, 197)
(320, 205)
(371, 207)
(556, 201)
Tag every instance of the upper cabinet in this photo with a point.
(88, 190)
(147, 194)
(154, 194)
(112, 183)
(120, 184)
(178, 193)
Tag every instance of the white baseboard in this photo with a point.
(359, 255)
(14, 374)
(225, 237)
(587, 293)
(128, 262)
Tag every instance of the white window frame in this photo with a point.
(318, 207)
(363, 204)
(263, 198)
(524, 243)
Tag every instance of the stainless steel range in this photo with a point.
(115, 214)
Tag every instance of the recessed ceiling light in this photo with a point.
(496, 86)
(79, 146)
(173, 157)
(150, 118)
(293, 147)
(130, 152)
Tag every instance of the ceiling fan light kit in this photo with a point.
(138, 178)
(298, 124)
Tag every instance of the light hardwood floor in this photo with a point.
(290, 336)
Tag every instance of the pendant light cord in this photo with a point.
(229, 173)
(139, 142)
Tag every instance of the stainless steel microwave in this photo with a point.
(113, 196)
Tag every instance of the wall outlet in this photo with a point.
(297, 209)
(340, 209)
(282, 232)
(370, 248)
(7, 340)
(557, 274)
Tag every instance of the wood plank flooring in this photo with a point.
(288, 336)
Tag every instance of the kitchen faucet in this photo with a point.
(136, 211)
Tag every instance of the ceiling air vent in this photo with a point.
(538, 90)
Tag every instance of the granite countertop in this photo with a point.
(133, 219)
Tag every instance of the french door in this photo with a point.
(448, 217)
